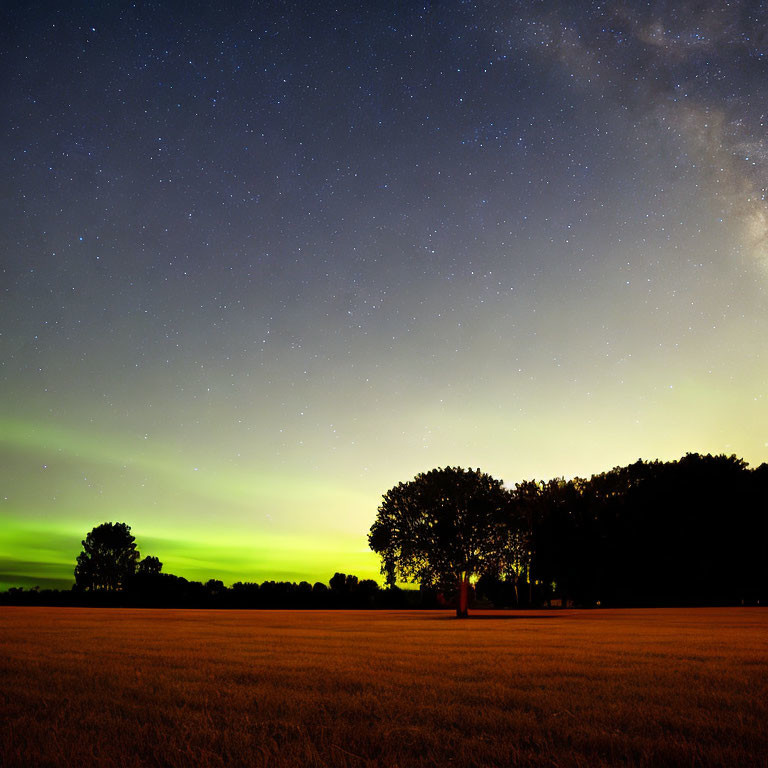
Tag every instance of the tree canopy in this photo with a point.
(108, 560)
(443, 528)
(149, 566)
(686, 532)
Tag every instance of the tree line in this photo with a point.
(687, 532)
(166, 590)
(111, 572)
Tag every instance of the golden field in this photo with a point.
(120, 687)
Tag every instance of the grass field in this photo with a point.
(113, 687)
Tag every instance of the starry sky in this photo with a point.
(260, 261)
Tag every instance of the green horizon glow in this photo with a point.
(208, 518)
(45, 557)
(227, 551)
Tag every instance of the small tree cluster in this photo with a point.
(110, 561)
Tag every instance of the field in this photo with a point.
(112, 687)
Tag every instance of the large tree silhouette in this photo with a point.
(686, 532)
(444, 527)
(108, 560)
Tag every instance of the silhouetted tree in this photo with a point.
(108, 560)
(148, 583)
(149, 566)
(685, 532)
(214, 587)
(341, 582)
(445, 526)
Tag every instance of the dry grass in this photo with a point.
(256, 688)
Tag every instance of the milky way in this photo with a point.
(261, 263)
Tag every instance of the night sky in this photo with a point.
(259, 262)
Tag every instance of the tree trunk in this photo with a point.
(530, 587)
(463, 607)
